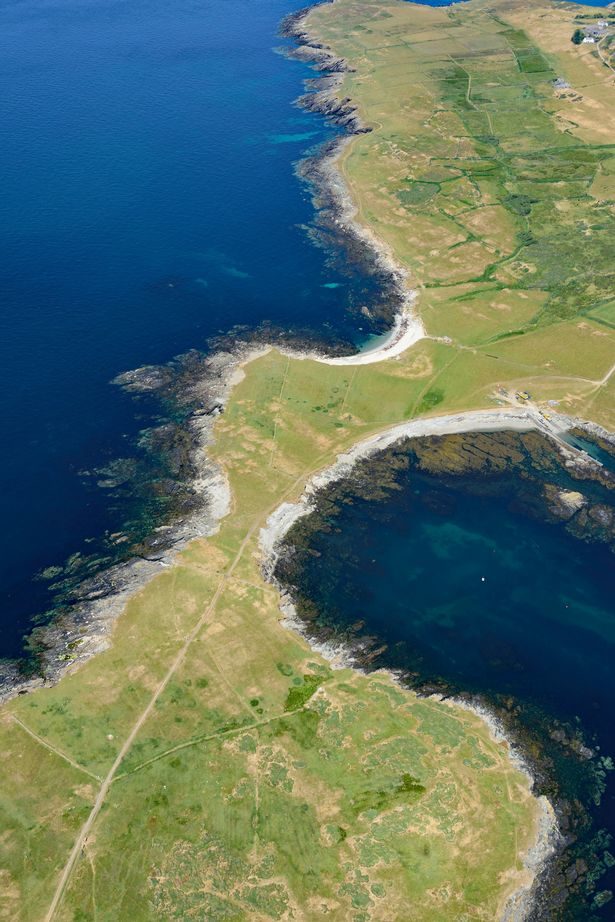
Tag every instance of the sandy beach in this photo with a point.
(407, 330)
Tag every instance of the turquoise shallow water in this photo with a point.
(468, 583)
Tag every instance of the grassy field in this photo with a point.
(208, 764)
(492, 186)
(261, 784)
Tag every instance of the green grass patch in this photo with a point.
(299, 695)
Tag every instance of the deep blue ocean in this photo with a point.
(147, 202)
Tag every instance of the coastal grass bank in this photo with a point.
(208, 761)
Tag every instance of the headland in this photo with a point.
(207, 760)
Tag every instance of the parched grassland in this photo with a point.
(208, 764)
(492, 186)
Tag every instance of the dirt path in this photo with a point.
(606, 377)
(54, 749)
(179, 658)
(275, 521)
(603, 58)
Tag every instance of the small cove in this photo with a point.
(479, 582)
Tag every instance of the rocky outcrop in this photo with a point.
(324, 94)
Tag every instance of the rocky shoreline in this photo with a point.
(81, 624)
(334, 207)
(361, 652)
(85, 629)
(370, 467)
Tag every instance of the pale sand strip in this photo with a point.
(406, 331)
(522, 419)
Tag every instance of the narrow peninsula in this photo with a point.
(210, 764)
